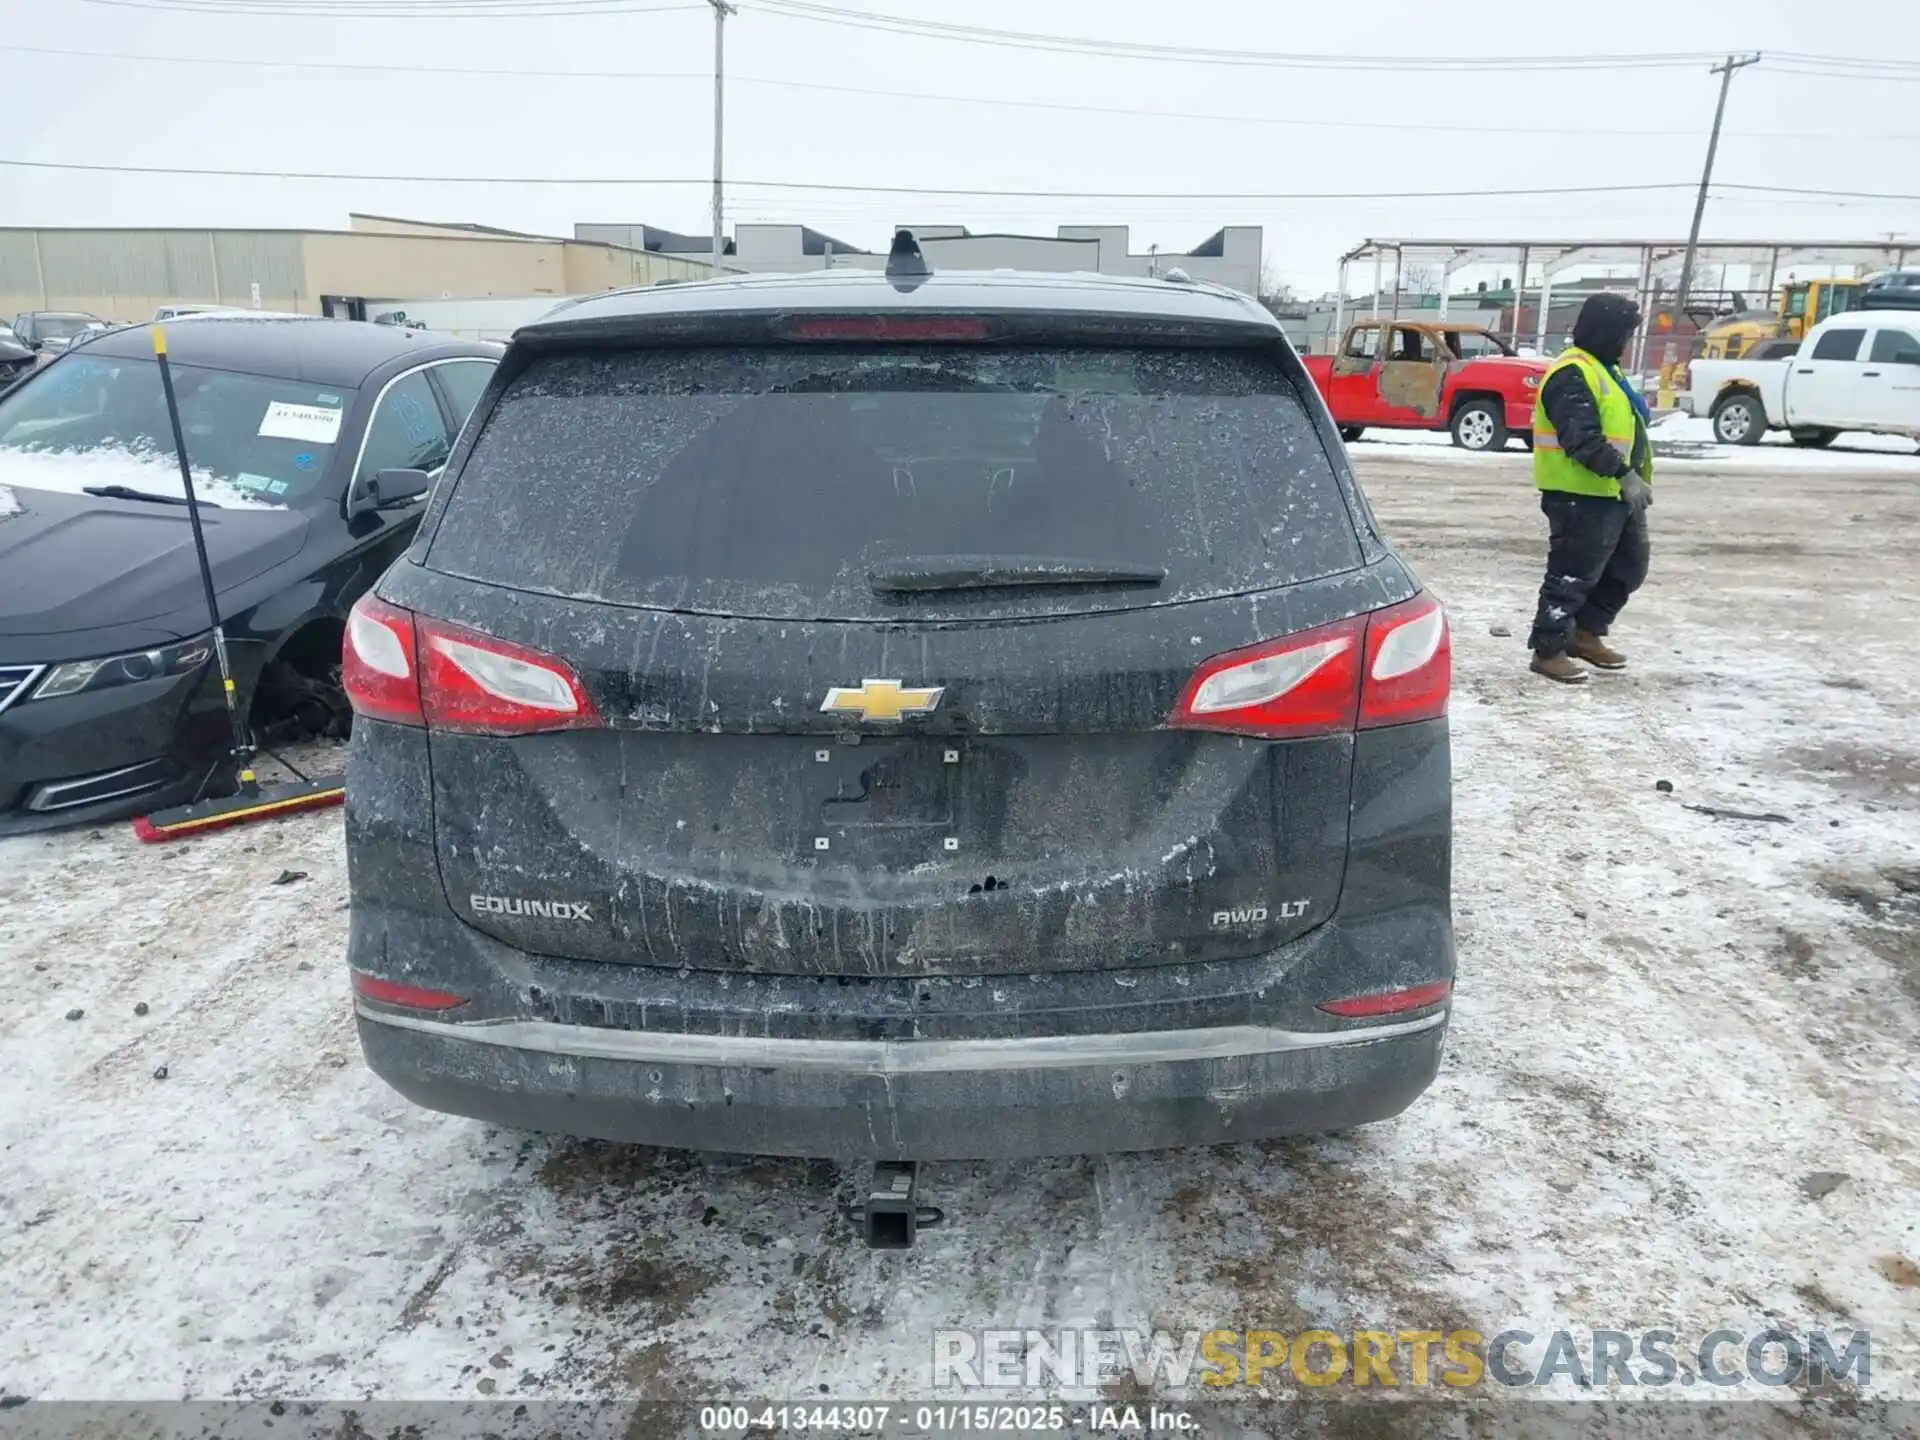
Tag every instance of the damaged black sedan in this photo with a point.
(312, 443)
(905, 716)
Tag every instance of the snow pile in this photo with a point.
(8, 504)
(1681, 437)
(1689, 437)
(70, 472)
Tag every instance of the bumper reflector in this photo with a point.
(389, 992)
(1393, 1002)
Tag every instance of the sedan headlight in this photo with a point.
(1532, 382)
(77, 676)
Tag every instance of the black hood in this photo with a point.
(1604, 324)
(78, 563)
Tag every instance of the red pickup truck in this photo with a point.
(1406, 375)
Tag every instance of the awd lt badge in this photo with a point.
(883, 700)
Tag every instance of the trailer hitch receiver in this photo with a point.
(892, 1215)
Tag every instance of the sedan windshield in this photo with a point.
(94, 420)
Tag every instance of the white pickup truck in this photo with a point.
(1857, 371)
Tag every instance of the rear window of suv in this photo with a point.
(773, 481)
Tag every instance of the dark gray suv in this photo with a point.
(902, 715)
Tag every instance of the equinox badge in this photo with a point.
(885, 700)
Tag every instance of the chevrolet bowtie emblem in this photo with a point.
(881, 700)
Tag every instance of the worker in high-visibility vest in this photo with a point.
(1593, 464)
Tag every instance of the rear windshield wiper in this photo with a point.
(127, 492)
(989, 572)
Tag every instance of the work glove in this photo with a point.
(1636, 492)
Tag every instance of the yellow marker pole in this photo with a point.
(242, 743)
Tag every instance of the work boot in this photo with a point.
(1558, 667)
(1591, 648)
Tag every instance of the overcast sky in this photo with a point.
(93, 110)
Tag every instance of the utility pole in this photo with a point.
(721, 9)
(1725, 72)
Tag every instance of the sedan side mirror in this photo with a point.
(387, 490)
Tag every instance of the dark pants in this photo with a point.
(1597, 553)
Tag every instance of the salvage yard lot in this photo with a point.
(1680, 1087)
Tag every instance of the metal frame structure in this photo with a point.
(1656, 260)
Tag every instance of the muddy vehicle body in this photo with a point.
(903, 716)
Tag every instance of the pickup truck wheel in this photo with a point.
(1479, 425)
(1814, 437)
(1351, 433)
(1738, 419)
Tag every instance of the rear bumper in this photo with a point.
(918, 1100)
(922, 1067)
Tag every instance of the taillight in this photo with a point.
(1305, 684)
(389, 992)
(412, 670)
(1409, 664)
(377, 663)
(483, 686)
(1387, 668)
(1391, 1002)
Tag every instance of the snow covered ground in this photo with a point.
(1684, 438)
(1679, 1091)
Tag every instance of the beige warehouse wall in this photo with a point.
(590, 268)
(426, 266)
(124, 275)
(117, 309)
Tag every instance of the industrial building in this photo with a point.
(378, 265)
(1230, 256)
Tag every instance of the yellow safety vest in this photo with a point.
(1553, 468)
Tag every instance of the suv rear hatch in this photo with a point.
(882, 658)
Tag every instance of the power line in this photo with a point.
(1806, 190)
(1846, 61)
(361, 67)
(826, 188)
(1291, 122)
(208, 172)
(399, 9)
(1191, 54)
(1790, 68)
(1836, 66)
(1846, 67)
